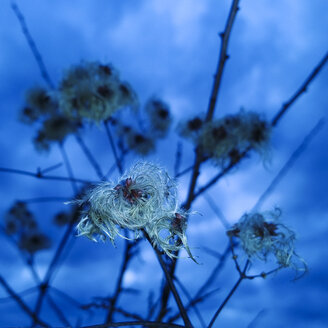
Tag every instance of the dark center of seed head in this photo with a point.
(219, 133)
(163, 113)
(195, 124)
(104, 91)
(106, 69)
(139, 138)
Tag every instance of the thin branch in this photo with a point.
(200, 295)
(193, 302)
(45, 199)
(155, 324)
(289, 164)
(89, 156)
(32, 45)
(171, 284)
(222, 59)
(185, 291)
(50, 168)
(44, 177)
(199, 155)
(68, 167)
(178, 156)
(112, 144)
(216, 210)
(21, 303)
(300, 91)
(127, 256)
(274, 122)
(234, 288)
(55, 260)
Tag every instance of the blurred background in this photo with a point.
(169, 49)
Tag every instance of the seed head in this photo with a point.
(261, 235)
(145, 197)
(94, 91)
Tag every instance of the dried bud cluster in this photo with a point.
(19, 222)
(145, 198)
(261, 235)
(88, 91)
(159, 117)
(155, 126)
(225, 139)
(94, 91)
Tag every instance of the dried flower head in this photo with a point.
(262, 235)
(225, 139)
(34, 242)
(56, 128)
(94, 91)
(159, 116)
(145, 198)
(19, 219)
(39, 102)
(191, 128)
(20, 224)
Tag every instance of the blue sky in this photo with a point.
(169, 49)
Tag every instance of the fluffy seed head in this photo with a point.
(145, 197)
(94, 91)
(261, 235)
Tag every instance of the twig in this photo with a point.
(32, 45)
(89, 156)
(171, 284)
(222, 59)
(50, 168)
(300, 91)
(274, 122)
(44, 177)
(112, 144)
(178, 156)
(200, 293)
(54, 262)
(217, 210)
(289, 164)
(240, 279)
(127, 256)
(185, 291)
(45, 199)
(155, 324)
(68, 168)
(199, 155)
(21, 303)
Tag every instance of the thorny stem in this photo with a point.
(89, 156)
(240, 279)
(21, 303)
(222, 59)
(32, 45)
(40, 175)
(171, 284)
(210, 112)
(127, 256)
(112, 144)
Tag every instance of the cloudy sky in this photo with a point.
(169, 49)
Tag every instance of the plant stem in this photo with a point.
(171, 284)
